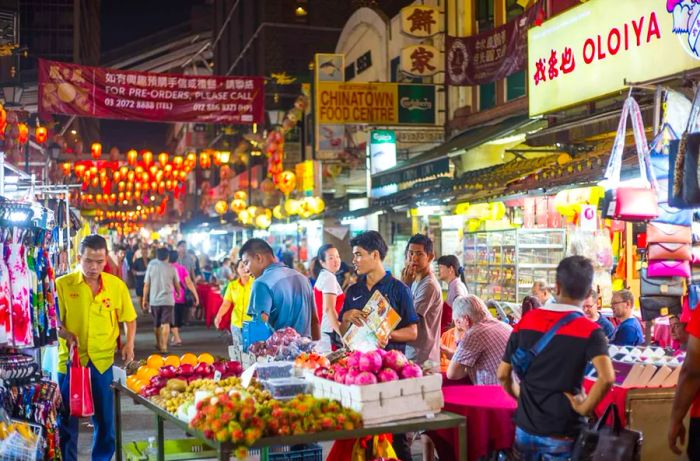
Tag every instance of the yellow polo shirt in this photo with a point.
(239, 295)
(93, 319)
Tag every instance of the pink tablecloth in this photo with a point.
(210, 299)
(489, 412)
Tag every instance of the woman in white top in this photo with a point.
(328, 294)
(452, 273)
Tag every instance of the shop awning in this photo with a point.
(435, 162)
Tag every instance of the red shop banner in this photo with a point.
(491, 55)
(99, 92)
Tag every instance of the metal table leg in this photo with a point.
(118, 423)
(160, 440)
(462, 431)
(224, 454)
(265, 454)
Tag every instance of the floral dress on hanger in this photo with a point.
(5, 311)
(15, 258)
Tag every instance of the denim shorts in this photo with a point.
(531, 447)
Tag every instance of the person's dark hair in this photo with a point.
(421, 239)
(320, 257)
(172, 256)
(575, 277)
(529, 303)
(94, 242)
(255, 247)
(453, 262)
(371, 241)
(162, 254)
(181, 242)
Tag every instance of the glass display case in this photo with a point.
(503, 265)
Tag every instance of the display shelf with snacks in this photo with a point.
(503, 265)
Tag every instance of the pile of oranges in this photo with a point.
(154, 363)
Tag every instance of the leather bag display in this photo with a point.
(608, 443)
(684, 161)
(668, 233)
(630, 203)
(677, 251)
(668, 268)
(660, 306)
(661, 286)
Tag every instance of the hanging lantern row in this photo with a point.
(274, 144)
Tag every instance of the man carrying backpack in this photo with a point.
(549, 350)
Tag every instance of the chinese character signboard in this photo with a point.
(421, 21)
(112, 93)
(491, 55)
(375, 103)
(420, 60)
(591, 50)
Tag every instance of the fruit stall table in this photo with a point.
(443, 420)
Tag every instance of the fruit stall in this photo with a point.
(297, 402)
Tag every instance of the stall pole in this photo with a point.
(117, 423)
(2, 173)
(160, 440)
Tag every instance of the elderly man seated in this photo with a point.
(480, 351)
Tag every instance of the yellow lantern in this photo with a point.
(132, 156)
(96, 150)
(277, 212)
(221, 207)
(291, 206)
(287, 182)
(317, 205)
(163, 158)
(240, 195)
(245, 218)
(147, 157)
(253, 210)
(263, 221)
(238, 205)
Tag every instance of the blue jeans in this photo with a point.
(103, 441)
(538, 448)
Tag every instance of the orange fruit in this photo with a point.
(155, 361)
(140, 373)
(172, 360)
(206, 358)
(189, 359)
(148, 374)
(130, 381)
(138, 385)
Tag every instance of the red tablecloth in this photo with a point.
(617, 395)
(489, 411)
(210, 299)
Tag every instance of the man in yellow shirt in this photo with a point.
(92, 303)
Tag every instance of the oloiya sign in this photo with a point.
(591, 51)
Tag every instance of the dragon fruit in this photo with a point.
(382, 353)
(370, 361)
(339, 376)
(386, 375)
(395, 360)
(364, 378)
(411, 371)
(353, 359)
(351, 375)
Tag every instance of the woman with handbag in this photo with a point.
(187, 296)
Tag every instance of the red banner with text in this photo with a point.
(99, 92)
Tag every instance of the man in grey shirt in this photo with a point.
(186, 259)
(427, 299)
(161, 287)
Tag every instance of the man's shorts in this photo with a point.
(162, 315)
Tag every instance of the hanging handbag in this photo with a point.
(668, 268)
(668, 233)
(661, 286)
(609, 443)
(80, 390)
(653, 307)
(677, 251)
(630, 203)
(683, 166)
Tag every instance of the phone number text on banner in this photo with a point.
(119, 94)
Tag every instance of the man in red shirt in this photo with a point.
(688, 395)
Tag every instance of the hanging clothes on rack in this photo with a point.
(22, 318)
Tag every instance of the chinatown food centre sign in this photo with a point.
(119, 94)
(592, 49)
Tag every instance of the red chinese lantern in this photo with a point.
(117, 176)
(163, 158)
(22, 133)
(96, 150)
(153, 170)
(121, 186)
(79, 170)
(123, 170)
(66, 167)
(132, 156)
(3, 120)
(41, 134)
(178, 160)
(287, 182)
(159, 176)
(98, 198)
(204, 160)
(168, 170)
(147, 157)
(130, 176)
(95, 182)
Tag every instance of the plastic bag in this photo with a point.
(81, 403)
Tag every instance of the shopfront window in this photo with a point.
(485, 21)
